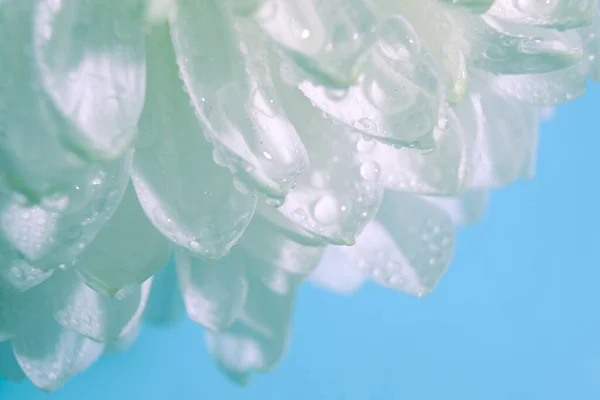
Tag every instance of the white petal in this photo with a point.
(98, 317)
(228, 82)
(214, 292)
(325, 40)
(336, 274)
(340, 191)
(49, 235)
(408, 247)
(90, 55)
(187, 196)
(258, 340)
(127, 250)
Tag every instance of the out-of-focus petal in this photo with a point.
(49, 354)
(407, 247)
(336, 274)
(214, 293)
(258, 340)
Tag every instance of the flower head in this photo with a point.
(248, 138)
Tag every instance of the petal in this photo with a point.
(545, 89)
(258, 340)
(49, 354)
(440, 31)
(336, 274)
(325, 40)
(274, 240)
(408, 247)
(187, 196)
(507, 136)
(98, 317)
(559, 15)
(127, 251)
(28, 116)
(340, 192)
(16, 273)
(232, 94)
(214, 292)
(474, 6)
(467, 208)
(500, 47)
(397, 97)
(446, 170)
(53, 234)
(19, 310)
(91, 60)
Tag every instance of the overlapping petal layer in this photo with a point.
(256, 143)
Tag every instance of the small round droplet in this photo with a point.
(326, 210)
(370, 171)
(367, 125)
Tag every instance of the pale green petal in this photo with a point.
(90, 56)
(214, 292)
(340, 192)
(275, 240)
(500, 47)
(16, 273)
(187, 196)
(446, 170)
(229, 85)
(96, 316)
(258, 340)
(407, 247)
(467, 208)
(28, 116)
(324, 39)
(507, 136)
(49, 354)
(19, 310)
(336, 274)
(441, 33)
(127, 251)
(474, 6)
(557, 14)
(397, 97)
(50, 235)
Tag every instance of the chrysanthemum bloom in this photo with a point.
(243, 137)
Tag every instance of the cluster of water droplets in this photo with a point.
(248, 145)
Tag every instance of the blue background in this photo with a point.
(516, 317)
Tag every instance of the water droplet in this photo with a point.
(367, 125)
(326, 210)
(370, 171)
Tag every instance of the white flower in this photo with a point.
(244, 137)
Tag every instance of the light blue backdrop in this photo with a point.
(516, 317)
